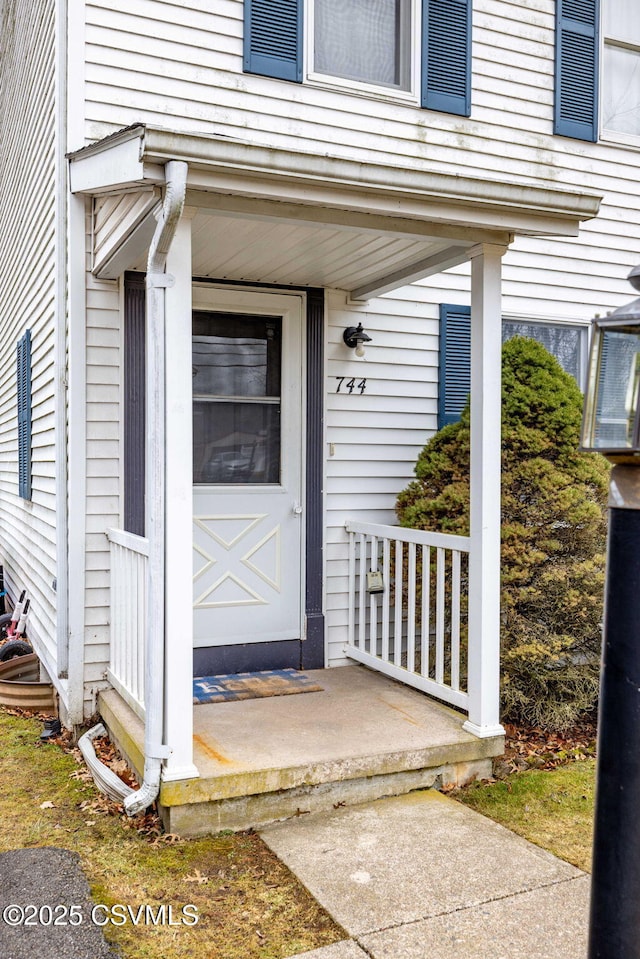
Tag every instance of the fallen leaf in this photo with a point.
(197, 877)
(47, 805)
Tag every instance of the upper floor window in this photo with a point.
(363, 40)
(620, 102)
(419, 50)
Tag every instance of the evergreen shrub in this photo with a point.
(553, 535)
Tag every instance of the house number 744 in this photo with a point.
(350, 385)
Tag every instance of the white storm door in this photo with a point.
(247, 467)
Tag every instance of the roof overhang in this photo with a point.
(424, 221)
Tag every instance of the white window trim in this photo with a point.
(606, 135)
(583, 325)
(358, 87)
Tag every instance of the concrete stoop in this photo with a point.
(363, 737)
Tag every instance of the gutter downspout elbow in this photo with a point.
(156, 282)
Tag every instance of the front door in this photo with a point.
(247, 467)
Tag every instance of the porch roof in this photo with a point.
(263, 214)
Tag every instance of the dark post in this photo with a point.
(614, 931)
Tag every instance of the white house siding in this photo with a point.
(27, 277)
(103, 357)
(372, 438)
(179, 65)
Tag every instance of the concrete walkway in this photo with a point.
(421, 876)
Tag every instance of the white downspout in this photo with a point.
(156, 282)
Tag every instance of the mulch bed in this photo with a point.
(533, 748)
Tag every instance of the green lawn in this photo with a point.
(553, 809)
(250, 906)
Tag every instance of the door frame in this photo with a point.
(276, 499)
(308, 652)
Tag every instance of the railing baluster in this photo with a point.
(362, 609)
(455, 619)
(440, 610)
(397, 624)
(142, 615)
(114, 593)
(426, 611)
(386, 578)
(351, 613)
(370, 642)
(128, 615)
(411, 608)
(373, 602)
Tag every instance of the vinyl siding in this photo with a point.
(27, 301)
(103, 357)
(375, 436)
(179, 66)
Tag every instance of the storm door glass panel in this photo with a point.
(237, 373)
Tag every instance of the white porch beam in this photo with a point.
(103, 170)
(499, 213)
(137, 155)
(484, 558)
(179, 511)
(299, 214)
(437, 263)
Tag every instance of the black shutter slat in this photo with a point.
(273, 38)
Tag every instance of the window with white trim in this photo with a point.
(419, 49)
(620, 99)
(369, 41)
(568, 342)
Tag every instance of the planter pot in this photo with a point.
(21, 688)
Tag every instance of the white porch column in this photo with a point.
(484, 558)
(178, 733)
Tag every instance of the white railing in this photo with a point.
(129, 559)
(415, 628)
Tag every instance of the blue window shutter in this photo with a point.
(455, 362)
(24, 415)
(446, 56)
(273, 38)
(576, 66)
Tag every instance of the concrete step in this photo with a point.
(362, 737)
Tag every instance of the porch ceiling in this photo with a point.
(276, 216)
(262, 250)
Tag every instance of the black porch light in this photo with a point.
(611, 426)
(355, 338)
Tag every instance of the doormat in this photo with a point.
(270, 682)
